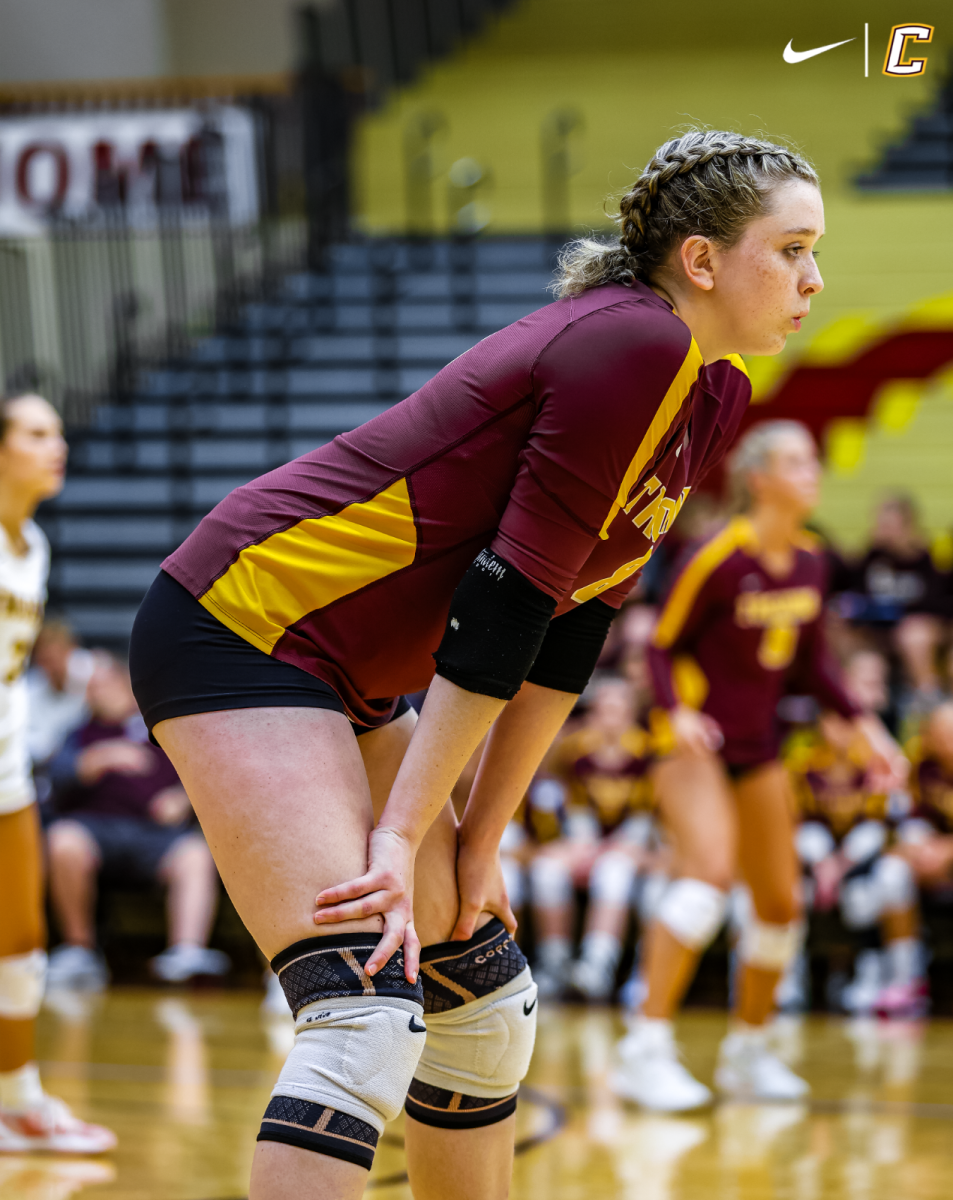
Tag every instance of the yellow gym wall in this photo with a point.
(637, 73)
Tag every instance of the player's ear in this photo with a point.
(695, 258)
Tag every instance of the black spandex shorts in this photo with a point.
(183, 660)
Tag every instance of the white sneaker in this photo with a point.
(184, 961)
(747, 1070)
(593, 981)
(859, 997)
(650, 1073)
(76, 969)
(53, 1128)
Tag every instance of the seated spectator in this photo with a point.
(596, 780)
(843, 843)
(120, 812)
(56, 694)
(897, 585)
(925, 834)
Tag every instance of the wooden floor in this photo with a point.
(184, 1079)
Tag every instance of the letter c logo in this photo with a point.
(894, 63)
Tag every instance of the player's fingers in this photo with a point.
(374, 880)
(354, 910)
(466, 922)
(411, 953)
(391, 940)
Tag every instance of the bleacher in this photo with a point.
(324, 354)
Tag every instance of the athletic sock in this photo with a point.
(904, 960)
(21, 1090)
(742, 1035)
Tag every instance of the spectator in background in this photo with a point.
(600, 774)
(925, 835)
(896, 584)
(120, 811)
(843, 844)
(56, 692)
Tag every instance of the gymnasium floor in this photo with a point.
(183, 1078)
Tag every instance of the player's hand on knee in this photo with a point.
(481, 889)
(386, 889)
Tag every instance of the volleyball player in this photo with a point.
(491, 523)
(743, 620)
(32, 461)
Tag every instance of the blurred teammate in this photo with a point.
(743, 618)
(608, 836)
(32, 462)
(842, 842)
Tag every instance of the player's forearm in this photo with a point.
(451, 726)
(515, 748)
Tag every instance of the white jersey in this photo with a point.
(22, 596)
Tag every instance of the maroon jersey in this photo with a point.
(612, 786)
(116, 793)
(831, 787)
(566, 443)
(731, 637)
(932, 788)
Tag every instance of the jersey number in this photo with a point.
(777, 647)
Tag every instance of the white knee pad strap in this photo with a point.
(770, 947)
(483, 1048)
(22, 979)
(550, 881)
(693, 911)
(611, 879)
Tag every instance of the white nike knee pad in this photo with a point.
(357, 1042)
(693, 911)
(22, 980)
(355, 1054)
(770, 947)
(483, 1048)
(550, 881)
(895, 883)
(611, 879)
(480, 1005)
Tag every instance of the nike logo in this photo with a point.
(796, 56)
(527, 1011)
(416, 1028)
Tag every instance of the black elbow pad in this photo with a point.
(496, 625)
(571, 648)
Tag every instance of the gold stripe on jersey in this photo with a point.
(666, 413)
(734, 536)
(276, 582)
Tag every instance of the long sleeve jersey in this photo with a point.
(731, 638)
(566, 443)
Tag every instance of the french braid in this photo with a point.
(704, 182)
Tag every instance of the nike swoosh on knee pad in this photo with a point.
(416, 1028)
(527, 1011)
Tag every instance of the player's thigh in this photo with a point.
(285, 806)
(436, 900)
(699, 815)
(22, 925)
(766, 853)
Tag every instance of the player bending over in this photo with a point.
(490, 524)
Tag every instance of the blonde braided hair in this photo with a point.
(705, 182)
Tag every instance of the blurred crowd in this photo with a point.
(586, 858)
(113, 810)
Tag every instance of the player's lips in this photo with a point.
(796, 321)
